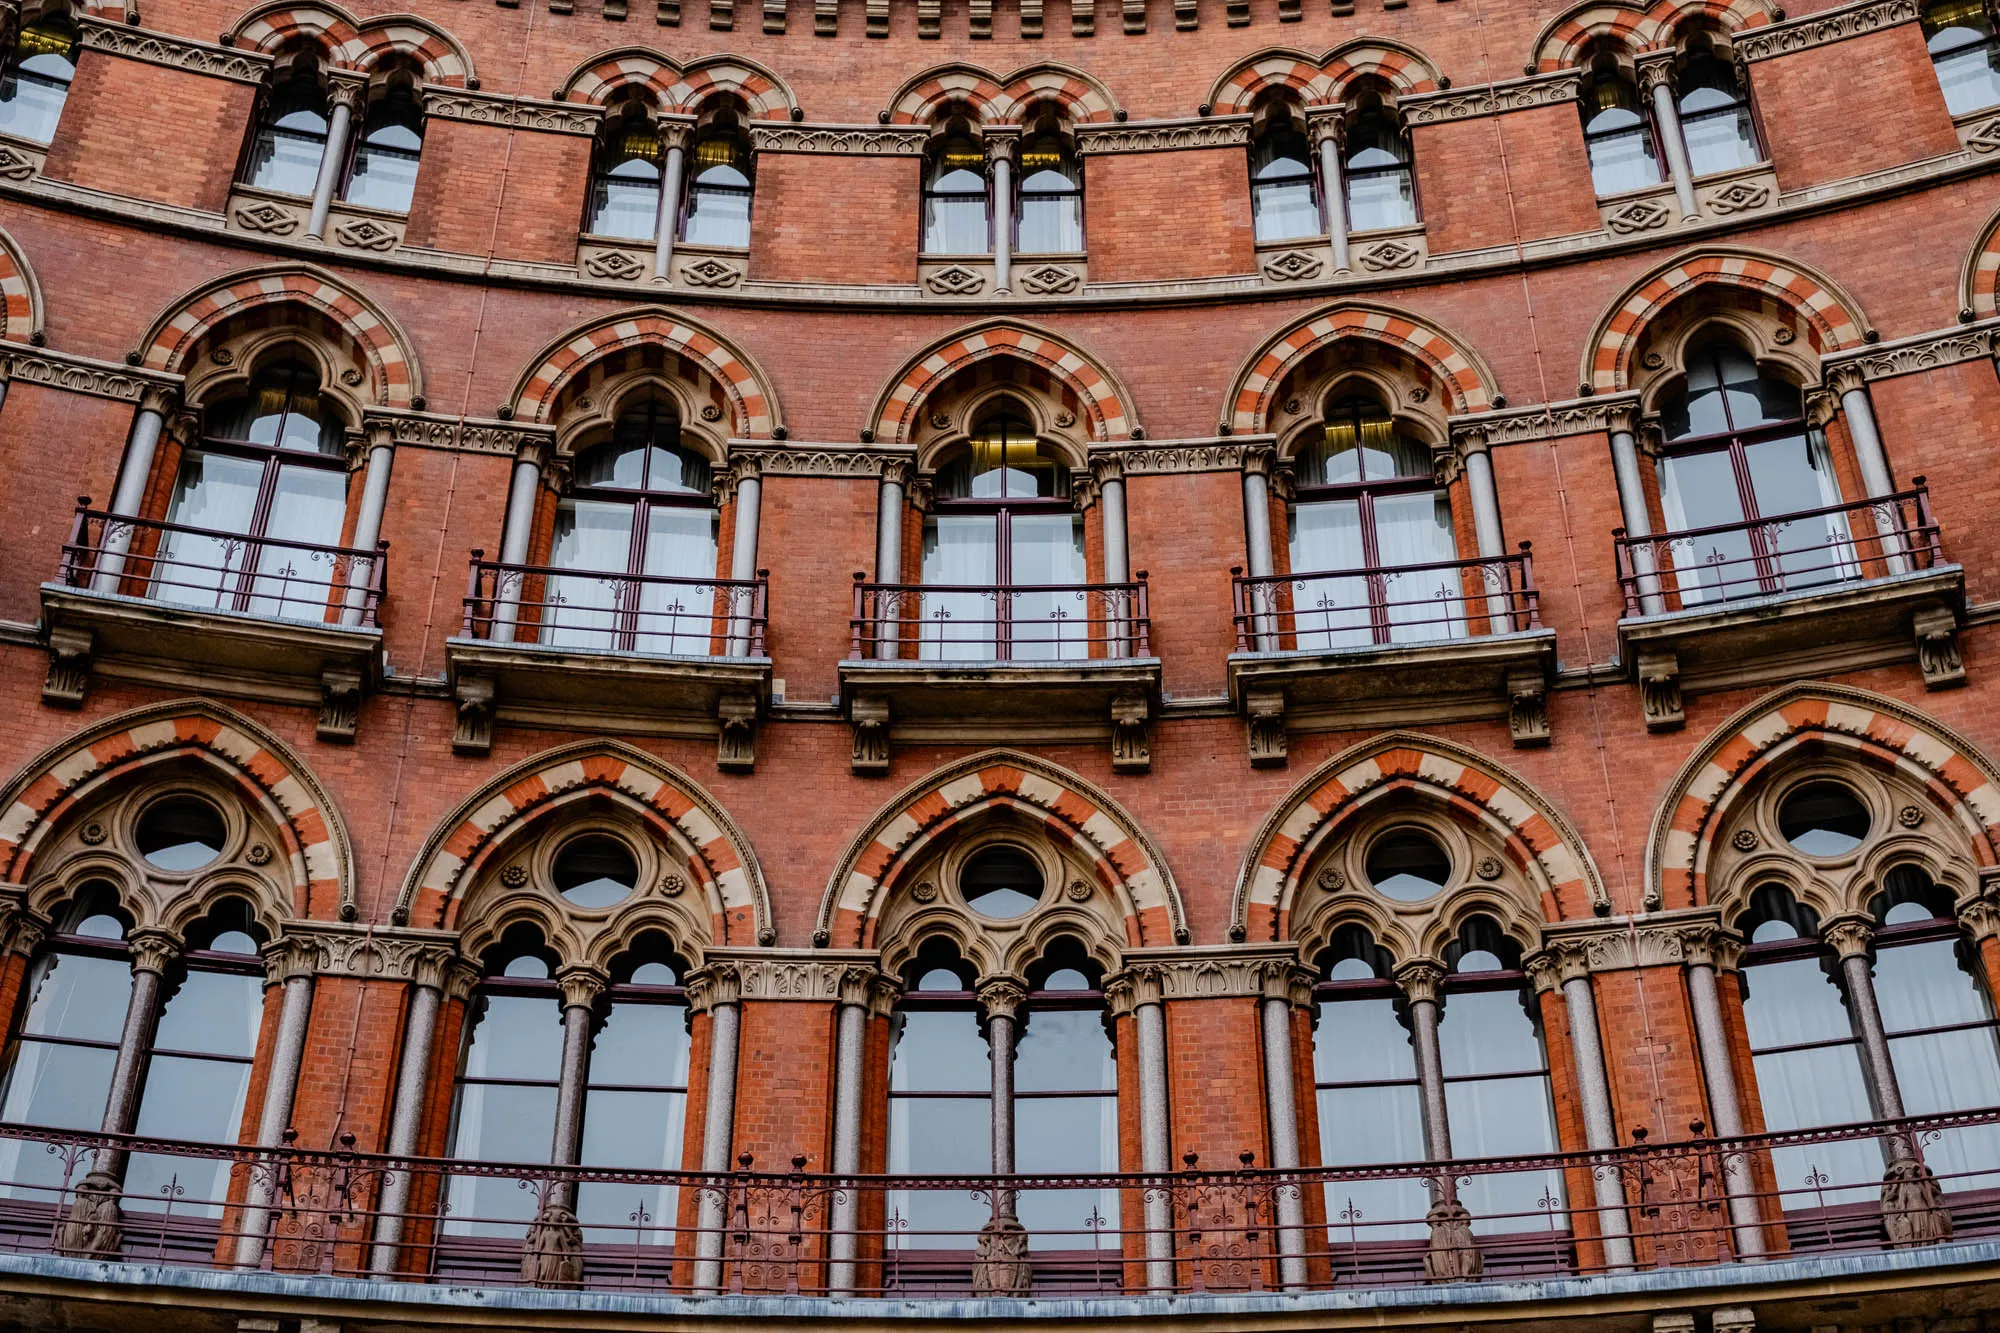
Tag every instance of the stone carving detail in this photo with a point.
(1203, 457)
(95, 833)
(69, 666)
(514, 876)
(1913, 1211)
(471, 436)
(926, 891)
(388, 954)
(15, 165)
(1919, 354)
(154, 48)
(473, 696)
(513, 113)
(1779, 39)
(1389, 256)
(1002, 1268)
(339, 703)
(1218, 133)
(711, 272)
(552, 1255)
(871, 736)
(614, 264)
(958, 280)
(1130, 752)
(1985, 138)
(1528, 707)
(77, 374)
(1660, 690)
(1451, 1255)
(672, 886)
(93, 1228)
(1050, 280)
(365, 234)
(1740, 197)
(1078, 891)
(1265, 710)
(1331, 880)
(883, 142)
(1639, 215)
(1909, 816)
(265, 216)
(1518, 95)
(1293, 266)
(1937, 648)
(736, 743)
(829, 462)
(1745, 840)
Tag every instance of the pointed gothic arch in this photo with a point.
(21, 303)
(1321, 80)
(1106, 405)
(356, 44)
(753, 403)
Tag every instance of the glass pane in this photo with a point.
(1810, 1088)
(1371, 1044)
(197, 1100)
(642, 1045)
(498, 1123)
(1719, 140)
(217, 493)
(1487, 1032)
(296, 582)
(637, 1131)
(1623, 161)
(717, 216)
(79, 997)
(1381, 199)
(62, 1087)
(1071, 1136)
(1699, 491)
(1284, 210)
(286, 161)
(1967, 73)
(1791, 1003)
(589, 535)
(678, 617)
(31, 96)
(1507, 1117)
(1050, 223)
(1415, 529)
(1788, 475)
(1064, 1050)
(215, 1013)
(959, 549)
(955, 224)
(1048, 549)
(930, 1136)
(383, 177)
(1329, 613)
(939, 1050)
(518, 1037)
(625, 208)
(1373, 1127)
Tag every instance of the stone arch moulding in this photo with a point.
(356, 44)
(1070, 810)
(1979, 281)
(753, 402)
(1636, 27)
(1541, 841)
(20, 294)
(1322, 80)
(718, 852)
(377, 341)
(679, 89)
(1107, 405)
(1838, 719)
(1462, 374)
(1829, 316)
(1002, 99)
(243, 752)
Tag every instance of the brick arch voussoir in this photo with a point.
(766, 95)
(1405, 71)
(1666, 18)
(443, 60)
(1108, 413)
(1563, 41)
(1083, 99)
(752, 401)
(919, 101)
(599, 77)
(1979, 282)
(1239, 88)
(272, 27)
(21, 302)
(1462, 374)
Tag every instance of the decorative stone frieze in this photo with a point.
(1491, 100)
(222, 62)
(429, 430)
(1166, 136)
(514, 113)
(869, 140)
(80, 374)
(1820, 29)
(380, 953)
(811, 460)
(1925, 351)
(19, 160)
(821, 975)
(1618, 943)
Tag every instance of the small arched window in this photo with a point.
(1066, 1100)
(1050, 196)
(940, 1097)
(1381, 188)
(635, 1097)
(1617, 132)
(35, 79)
(1964, 53)
(1284, 193)
(625, 182)
(290, 144)
(955, 197)
(1715, 114)
(720, 185)
(383, 171)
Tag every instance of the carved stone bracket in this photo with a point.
(1833, 25)
(1130, 750)
(133, 43)
(1002, 1267)
(1660, 689)
(1265, 711)
(69, 666)
(473, 696)
(870, 754)
(736, 743)
(1936, 630)
(1528, 706)
(339, 704)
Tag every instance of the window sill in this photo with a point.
(1630, 212)
(623, 259)
(348, 226)
(1751, 189)
(1390, 249)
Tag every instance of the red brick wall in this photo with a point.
(1153, 216)
(835, 219)
(95, 143)
(1907, 119)
(536, 182)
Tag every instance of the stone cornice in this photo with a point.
(1920, 352)
(1492, 99)
(80, 374)
(1216, 972)
(471, 435)
(1165, 136)
(1828, 25)
(872, 140)
(795, 974)
(380, 953)
(519, 113)
(1618, 943)
(1216, 454)
(819, 460)
(1538, 421)
(157, 48)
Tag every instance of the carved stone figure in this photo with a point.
(1452, 1255)
(1913, 1211)
(93, 1229)
(552, 1255)
(1002, 1267)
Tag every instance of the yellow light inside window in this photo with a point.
(970, 159)
(716, 153)
(640, 143)
(44, 40)
(1035, 159)
(1952, 13)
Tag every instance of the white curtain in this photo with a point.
(1047, 626)
(215, 492)
(959, 550)
(1415, 529)
(676, 618)
(1920, 988)
(295, 572)
(1795, 1004)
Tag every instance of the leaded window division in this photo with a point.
(721, 184)
(291, 138)
(1377, 173)
(1715, 115)
(1617, 132)
(35, 78)
(1965, 54)
(382, 171)
(1284, 190)
(957, 204)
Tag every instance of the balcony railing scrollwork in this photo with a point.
(1018, 624)
(1386, 605)
(615, 612)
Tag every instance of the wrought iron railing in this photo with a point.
(267, 575)
(1200, 1228)
(616, 612)
(1042, 623)
(1788, 553)
(1318, 611)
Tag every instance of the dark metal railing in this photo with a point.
(1000, 623)
(1787, 553)
(1239, 1228)
(1320, 610)
(616, 612)
(207, 569)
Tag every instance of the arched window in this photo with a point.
(383, 171)
(255, 498)
(641, 516)
(1050, 196)
(35, 78)
(291, 135)
(1964, 53)
(1366, 500)
(1617, 132)
(625, 181)
(635, 1097)
(940, 1098)
(955, 197)
(1284, 193)
(1738, 450)
(720, 182)
(1066, 1102)
(1715, 114)
(1003, 520)
(1381, 188)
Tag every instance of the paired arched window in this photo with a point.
(638, 527)
(1284, 191)
(35, 78)
(720, 185)
(379, 157)
(1617, 132)
(1049, 194)
(956, 203)
(1366, 501)
(382, 173)
(1964, 53)
(256, 499)
(626, 179)
(1714, 112)
(1003, 521)
(1380, 183)
(291, 138)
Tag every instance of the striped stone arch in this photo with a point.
(1543, 844)
(1979, 280)
(715, 851)
(20, 292)
(680, 89)
(373, 337)
(1069, 810)
(1871, 728)
(1324, 80)
(1636, 27)
(753, 405)
(1106, 407)
(1459, 372)
(242, 752)
(352, 44)
(1827, 316)
(1002, 100)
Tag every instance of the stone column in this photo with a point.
(1708, 950)
(716, 989)
(1001, 1266)
(552, 1254)
(1471, 448)
(1656, 79)
(1258, 461)
(1870, 459)
(1140, 990)
(1000, 155)
(1624, 422)
(1286, 987)
(1451, 1253)
(749, 474)
(290, 965)
(515, 536)
(142, 443)
(368, 520)
(674, 136)
(1564, 965)
(890, 503)
(1329, 134)
(438, 975)
(344, 95)
(864, 993)
(1109, 473)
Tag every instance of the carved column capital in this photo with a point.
(1106, 467)
(345, 90)
(1557, 963)
(538, 450)
(1846, 378)
(1655, 70)
(714, 984)
(160, 398)
(1822, 406)
(1002, 996)
(1622, 417)
(898, 471)
(153, 949)
(1420, 979)
(1324, 123)
(1711, 945)
(1259, 460)
(1003, 144)
(1979, 917)
(1849, 936)
(287, 957)
(461, 977)
(883, 992)
(675, 133)
(1284, 979)
(1138, 984)
(582, 986)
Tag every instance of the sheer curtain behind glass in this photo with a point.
(1066, 1121)
(506, 1102)
(1284, 204)
(635, 1109)
(1370, 1108)
(1496, 1092)
(940, 1119)
(955, 214)
(291, 138)
(35, 81)
(719, 194)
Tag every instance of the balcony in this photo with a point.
(1386, 645)
(971, 662)
(1816, 593)
(580, 650)
(214, 611)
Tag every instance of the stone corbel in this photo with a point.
(921, 493)
(1660, 689)
(473, 695)
(339, 704)
(870, 755)
(1936, 630)
(1264, 711)
(1822, 406)
(1084, 491)
(1528, 706)
(69, 666)
(1130, 750)
(1448, 460)
(736, 743)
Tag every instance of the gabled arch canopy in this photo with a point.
(716, 851)
(1321, 80)
(20, 294)
(753, 402)
(356, 44)
(1461, 374)
(1002, 99)
(1070, 810)
(246, 754)
(680, 89)
(1107, 412)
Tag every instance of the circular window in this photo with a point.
(595, 871)
(1823, 819)
(1002, 882)
(181, 833)
(1408, 866)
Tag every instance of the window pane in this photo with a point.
(939, 1136)
(1788, 475)
(1284, 210)
(955, 224)
(383, 177)
(1381, 199)
(1487, 1032)
(1720, 140)
(717, 216)
(639, 1131)
(1967, 75)
(519, 1036)
(217, 493)
(61, 1087)
(642, 1045)
(1372, 1127)
(1371, 1045)
(625, 208)
(1506, 1117)
(32, 96)
(1074, 1136)
(193, 1099)
(939, 1050)
(1623, 161)
(498, 1123)
(286, 161)
(1048, 549)
(216, 1013)
(1064, 1050)
(1329, 613)
(1415, 529)
(1051, 224)
(294, 581)
(960, 549)
(592, 535)
(80, 997)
